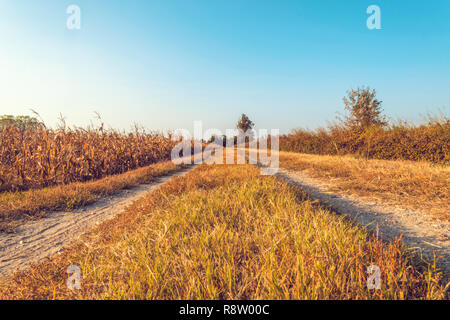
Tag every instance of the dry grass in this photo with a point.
(416, 185)
(225, 232)
(15, 207)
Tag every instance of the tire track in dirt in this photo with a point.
(37, 240)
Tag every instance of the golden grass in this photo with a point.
(15, 207)
(225, 232)
(416, 185)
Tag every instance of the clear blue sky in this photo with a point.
(167, 63)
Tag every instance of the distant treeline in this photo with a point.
(429, 142)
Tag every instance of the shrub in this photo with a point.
(426, 142)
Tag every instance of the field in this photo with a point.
(225, 232)
(225, 159)
(220, 231)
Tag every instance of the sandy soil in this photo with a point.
(37, 240)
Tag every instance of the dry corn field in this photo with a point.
(40, 157)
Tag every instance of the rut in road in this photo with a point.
(37, 240)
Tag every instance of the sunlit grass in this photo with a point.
(225, 232)
(417, 185)
(18, 206)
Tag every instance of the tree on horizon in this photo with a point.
(364, 109)
(22, 122)
(245, 123)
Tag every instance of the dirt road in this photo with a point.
(37, 240)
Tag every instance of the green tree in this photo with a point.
(364, 109)
(245, 123)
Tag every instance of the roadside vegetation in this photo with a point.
(17, 207)
(366, 133)
(226, 232)
(408, 184)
